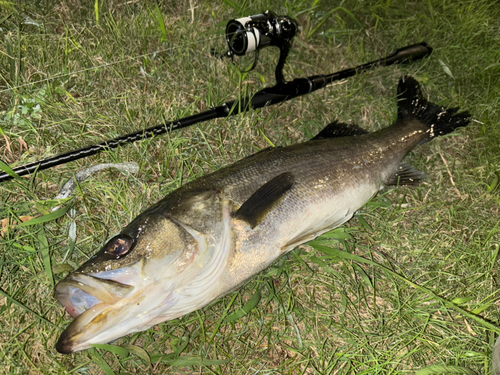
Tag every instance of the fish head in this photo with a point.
(125, 287)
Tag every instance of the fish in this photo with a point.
(210, 236)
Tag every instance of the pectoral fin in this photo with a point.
(260, 203)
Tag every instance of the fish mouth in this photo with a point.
(79, 292)
(86, 298)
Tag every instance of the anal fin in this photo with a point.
(406, 175)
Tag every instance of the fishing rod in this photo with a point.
(243, 36)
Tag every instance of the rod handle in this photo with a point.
(410, 53)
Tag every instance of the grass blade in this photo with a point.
(189, 360)
(442, 369)
(115, 349)
(495, 363)
(5, 168)
(101, 362)
(161, 22)
(44, 250)
(326, 16)
(344, 255)
(96, 9)
(250, 305)
(237, 8)
(45, 218)
(13, 300)
(140, 352)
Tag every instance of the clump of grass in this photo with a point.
(428, 255)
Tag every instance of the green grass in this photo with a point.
(417, 284)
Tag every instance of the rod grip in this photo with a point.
(414, 52)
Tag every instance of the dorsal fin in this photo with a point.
(338, 129)
(265, 198)
(264, 150)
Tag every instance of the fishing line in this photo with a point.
(107, 64)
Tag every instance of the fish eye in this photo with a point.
(119, 246)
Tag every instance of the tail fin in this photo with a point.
(439, 120)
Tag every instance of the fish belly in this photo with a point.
(296, 221)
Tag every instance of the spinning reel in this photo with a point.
(249, 34)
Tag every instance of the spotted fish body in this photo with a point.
(210, 236)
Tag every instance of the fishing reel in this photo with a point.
(250, 34)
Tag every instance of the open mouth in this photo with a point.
(79, 292)
(88, 299)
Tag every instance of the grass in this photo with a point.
(415, 286)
